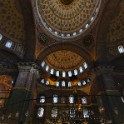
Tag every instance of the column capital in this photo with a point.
(28, 74)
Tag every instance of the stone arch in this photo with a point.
(67, 46)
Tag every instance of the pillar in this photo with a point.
(17, 109)
(110, 104)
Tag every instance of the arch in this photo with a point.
(8, 57)
(30, 38)
(111, 7)
(66, 46)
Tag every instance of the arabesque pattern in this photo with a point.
(60, 18)
(11, 20)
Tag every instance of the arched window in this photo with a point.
(57, 84)
(42, 81)
(63, 83)
(80, 69)
(72, 113)
(56, 32)
(47, 68)
(86, 26)
(52, 71)
(74, 33)
(8, 44)
(85, 65)
(54, 113)
(63, 74)
(84, 100)
(92, 19)
(68, 35)
(50, 29)
(55, 99)
(122, 98)
(1, 37)
(121, 49)
(47, 82)
(40, 112)
(12, 82)
(75, 72)
(88, 80)
(62, 35)
(71, 99)
(57, 73)
(69, 73)
(42, 99)
(85, 112)
(69, 84)
(84, 82)
(43, 64)
(79, 84)
(80, 30)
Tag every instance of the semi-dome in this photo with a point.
(67, 18)
(64, 60)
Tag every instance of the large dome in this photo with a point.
(67, 18)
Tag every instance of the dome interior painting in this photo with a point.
(11, 20)
(64, 60)
(61, 61)
(67, 18)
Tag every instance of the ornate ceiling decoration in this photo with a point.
(67, 18)
(115, 35)
(43, 38)
(11, 20)
(64, 60)
(116, 29)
